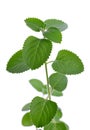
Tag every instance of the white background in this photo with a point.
(15, 90)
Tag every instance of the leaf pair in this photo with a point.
(38, 25)
(40, 87)
(41, 112)
(51, 28)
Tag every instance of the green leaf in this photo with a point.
(27, 120)
(58, 81)
(68, 62)
(58, 115)
(16, 64)
(36, 51)
(38, 85)
(35, 24)
(56, 93)
(53, 34)
(56, 23)
(56, 126)
(42, 111)
(26, 107)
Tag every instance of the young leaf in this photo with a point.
(53, 34)
(58, 81)
(36, 51)
(58, 115)
(38, 85)
(68, 62)
(56, 93)
(27, 120)
(56, 23)
(26, 107)
(42, 111)
(16, 64)
(56, 126)
(35, 24)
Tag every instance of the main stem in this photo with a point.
(48, 88)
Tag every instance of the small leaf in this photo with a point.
(67, 62)
(56, 23)
(56, 126)
(58, 115)
(38, 85)
(53, 34)
(42, 111)
(35, 24)
(26, 107)
(36, 51)
(56, 93)
(27, 120)
(58, 81)
(16, 64)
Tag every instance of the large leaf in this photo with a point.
(56, 126)
(36, 51)
(35, 24)
(42, 111)
(27, 120)
(26, 107)
(16, 64)
(53, 34)
(58, 81)
(56, 23)
(68, 62)
(38, 85)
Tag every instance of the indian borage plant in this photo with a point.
(43, 112)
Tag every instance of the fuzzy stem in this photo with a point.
(46, 70)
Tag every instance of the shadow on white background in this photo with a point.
(15, 90)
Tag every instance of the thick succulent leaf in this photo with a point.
(42, 111)
(68, 62)
(36, 51)
(16, 64)
(37, 84)
(53, 34)
(58, 81)
(58, 115)
(56, 93)
(35, 24)
(56, 23)
(27, 120)
(56, 126)
(26, 107)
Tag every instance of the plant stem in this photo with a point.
(50, 62)
(48, 88)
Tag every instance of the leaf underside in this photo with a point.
(26, 107)
(68, 62)
(42, 111)
(58, 115)
(56, 93)
(56, 23)
(38, 85)
(58, 81)
(36, 51)
(16, 64)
